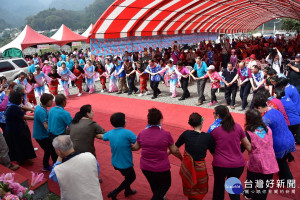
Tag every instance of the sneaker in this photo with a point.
(79, 94)
(102, 91)
(119, 93)
(35, 149)
(147, 93)
(47, 169)
(105, 90)
(210, 104)
(140, 95)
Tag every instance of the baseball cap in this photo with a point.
(211, 67)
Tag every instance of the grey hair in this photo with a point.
(19, 88)
(62, 143)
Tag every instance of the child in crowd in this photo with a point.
(31, 95)
(53, 85)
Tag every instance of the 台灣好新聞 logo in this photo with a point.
(233, 186)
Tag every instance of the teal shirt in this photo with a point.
(120, 140)
(58, 120)
(202, 70)
(81, 63)
(31, 68)
(64, 57)
(40, 117)
(69, 65)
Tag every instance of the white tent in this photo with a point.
(88, 30)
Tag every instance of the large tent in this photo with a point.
(87, 31)
(27, 38)
(64, 35)
(137, 24)
(125, 18)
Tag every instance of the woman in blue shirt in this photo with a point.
(40, 133)
(291, 112)
(283, 140)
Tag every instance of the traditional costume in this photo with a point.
(89, 71)
(53, 85)
(39, 86)
(66, 75)
(79, 73)
(112, 79)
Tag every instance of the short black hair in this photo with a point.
(117, 119)
(180, 63)
(45, 98)
(154, 116)
(281, 82)
(22, 74)
(59, 99)
(195, 119)
(279, 92)
(259, 100)
(271, 72)
(16, 98)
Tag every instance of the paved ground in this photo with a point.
(165, 96)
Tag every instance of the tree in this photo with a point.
(291, 25)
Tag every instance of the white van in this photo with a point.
(11, 67)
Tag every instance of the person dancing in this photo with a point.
(78, 72)
(144, 77)
(90, 76)
(53, 85)
(66, 75)
(112, 78)
(40, 79)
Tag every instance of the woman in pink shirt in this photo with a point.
(215, 81)
(183, 73)
(262, 162)
(155, 143)
(228, 159)
(46, 68)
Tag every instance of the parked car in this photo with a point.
(11, 67)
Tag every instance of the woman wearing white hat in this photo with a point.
(215, 81)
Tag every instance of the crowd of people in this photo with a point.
(269, 135)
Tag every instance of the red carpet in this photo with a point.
(175, 121)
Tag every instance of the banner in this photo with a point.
(118, 46)
(76, 44)
(44, 46)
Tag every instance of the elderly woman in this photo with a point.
(154, 163)
(83, 130)
(228, 159)
(196, 144)
(283, 140)
(18, 137)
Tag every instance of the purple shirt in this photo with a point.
(244, 77)
(184, 71)
(228, 151)
(154, 143)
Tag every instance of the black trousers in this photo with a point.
(154, 87)
(284, 169)
(220, 175)
(160, 183)
(184, 85)
(253, 191)
(244, 93)
(46, 145)
(225, 59)
(230, 94)
(129, 175)
(2, 126)
(130, 81)
(295, 129)
(213, 95)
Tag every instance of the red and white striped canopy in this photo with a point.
(125, 18)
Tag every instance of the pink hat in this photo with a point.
(253, 56)
(46, 61)
(233, 50)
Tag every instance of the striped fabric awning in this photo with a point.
(126, 18)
